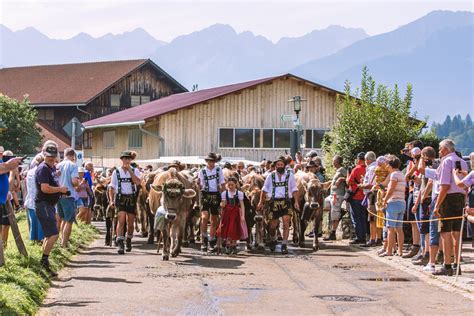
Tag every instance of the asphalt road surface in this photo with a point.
(336, 280)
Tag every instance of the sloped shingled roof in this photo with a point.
(176, 102)
(68, 83)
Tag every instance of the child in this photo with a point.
(233, 216)
(83, 192)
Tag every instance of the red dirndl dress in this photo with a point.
(230, 227)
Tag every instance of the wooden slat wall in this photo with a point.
(194, 131)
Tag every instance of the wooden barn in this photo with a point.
(86, 90)
(238, 120)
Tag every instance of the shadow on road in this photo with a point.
(108, 280)
(212, 262)
(70, 304)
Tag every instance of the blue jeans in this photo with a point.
(36, 232)
(359, 219)
(395, 211)
(434, 234)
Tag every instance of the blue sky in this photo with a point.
(166, 20)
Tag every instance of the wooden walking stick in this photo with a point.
(459, 249)
(15, 230)
(2, 256)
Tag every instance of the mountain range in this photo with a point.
(434, 53)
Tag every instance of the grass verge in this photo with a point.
(23, 284)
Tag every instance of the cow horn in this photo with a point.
(189, 193)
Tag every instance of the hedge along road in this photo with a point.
(337, 279)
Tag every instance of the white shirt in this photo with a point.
(231, 195)
(126, 186)
(430, 173)
(280, 191)
(31, 188)
(213, 187)
(369, 175)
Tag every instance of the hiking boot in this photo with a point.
(331, 236)
(444, 271)
(212, 246)
(204, 244)
(120, 249)
(413, 252)
(284, 249)
(129, 245)
(440, 257)
(45, 265)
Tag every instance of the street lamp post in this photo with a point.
(295, 134)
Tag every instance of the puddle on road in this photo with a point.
(388, 279)
(179, 275)
(344, 298)
(347, 267)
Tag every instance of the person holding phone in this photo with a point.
(450, 203)
(48, 193)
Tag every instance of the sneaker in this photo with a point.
(331, 236)
(422, 262)
(413, 252)
(429, 268)
(128, 245)
(47, 268)
(370, 243)
(380, 251)
(455, 266)
(284, 249)
(417, 257)
(444, 271)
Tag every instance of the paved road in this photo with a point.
(336, 280)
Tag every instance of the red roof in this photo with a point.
(67, 83)
(176, 102)
(49, 134)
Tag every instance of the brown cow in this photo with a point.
(312, 210)
(170, 218)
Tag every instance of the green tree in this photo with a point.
(375, 118)
(22, 136)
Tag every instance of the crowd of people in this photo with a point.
(427, 192)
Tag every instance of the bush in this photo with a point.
(23, 284)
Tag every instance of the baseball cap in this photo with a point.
(361, 155)
(51, 151)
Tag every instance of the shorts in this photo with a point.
(336, 207)
(210, 202)
(409, 205)
(452, 206)
(277, 208)
(423, 215)
(4, 215)
(371, 206)
(395, 212)
(46, 214)
(127, 204)
(82, 202)
(67, 209)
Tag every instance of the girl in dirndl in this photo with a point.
(232, 227)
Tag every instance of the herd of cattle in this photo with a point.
(182, 210)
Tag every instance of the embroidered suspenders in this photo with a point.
(207, 178)
(121, 180)
(280, 184)
(232, 201)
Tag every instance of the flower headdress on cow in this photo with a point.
(173, 188)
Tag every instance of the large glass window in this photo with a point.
(318, 135)
(226, 137)
(267, 138)
(243, 138)
(87, 139)
(309, 138)
(282, 138)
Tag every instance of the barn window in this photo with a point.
(145, 99)
(267, 138)
(87, 140)
(309, 138)
(226, 137)
(115, 100)
(318, 135)
(46, 114)
(243, 138)
(135, 100)
(134, 138)
(282, 138)
(109, 139)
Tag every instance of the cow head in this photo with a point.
(173, 195)
(314, 193)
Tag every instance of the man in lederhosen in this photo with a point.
(278, 190)
(211, 181)
(123, 196)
